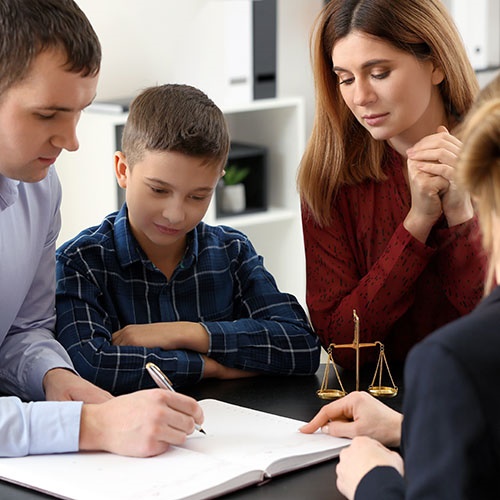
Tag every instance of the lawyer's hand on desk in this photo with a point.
(358, 414)
(372, 424)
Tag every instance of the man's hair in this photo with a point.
(176, 118)
(29, 27)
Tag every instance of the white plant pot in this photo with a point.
(233, 198)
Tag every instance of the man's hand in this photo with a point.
(141, 424)
(61, 384)
(358, 414)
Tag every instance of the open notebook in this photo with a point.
(242, 447)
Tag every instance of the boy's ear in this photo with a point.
(121, 169)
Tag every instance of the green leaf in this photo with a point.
(235, 175)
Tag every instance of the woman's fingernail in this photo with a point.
(325, 429)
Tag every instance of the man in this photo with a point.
(49, 65)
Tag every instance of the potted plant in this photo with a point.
(233, 198)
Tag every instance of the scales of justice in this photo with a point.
(375, 388)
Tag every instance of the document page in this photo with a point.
(259, 439)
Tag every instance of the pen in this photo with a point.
(163, 382)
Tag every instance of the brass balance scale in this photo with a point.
(376, 388)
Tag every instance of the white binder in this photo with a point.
(479, 24)
(218, 59)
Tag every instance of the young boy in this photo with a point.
(49, 64)
(154, 283)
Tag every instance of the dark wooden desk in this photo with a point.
(293, 397)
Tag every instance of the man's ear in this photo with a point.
(121, 169)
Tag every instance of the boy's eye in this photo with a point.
(45, 116)
(157, 190)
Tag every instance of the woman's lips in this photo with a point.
(374, 120)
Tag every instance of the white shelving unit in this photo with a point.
(90, 190)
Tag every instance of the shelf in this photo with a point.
(271, 215)
(262, 104)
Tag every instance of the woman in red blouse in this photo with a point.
(386, 230)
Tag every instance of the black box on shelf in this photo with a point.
(251, 158)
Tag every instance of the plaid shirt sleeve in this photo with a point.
(269, 331)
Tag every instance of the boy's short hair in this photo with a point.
(178, 118)
(29, 27)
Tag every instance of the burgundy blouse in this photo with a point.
(366, 260)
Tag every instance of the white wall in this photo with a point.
(143, 39)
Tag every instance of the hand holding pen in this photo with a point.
(163, 382)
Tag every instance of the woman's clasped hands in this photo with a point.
(431, 177)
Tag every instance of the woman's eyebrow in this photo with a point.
(367, 64)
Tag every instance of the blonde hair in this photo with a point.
(340, 150)
(479, 171)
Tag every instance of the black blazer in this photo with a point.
(451, 425)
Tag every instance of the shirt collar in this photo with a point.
(126, 245)
(9, 192)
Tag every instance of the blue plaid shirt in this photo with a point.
(105, 282)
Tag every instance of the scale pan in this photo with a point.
(382, 391)
(330, 393)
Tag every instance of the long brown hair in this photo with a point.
(340, 150)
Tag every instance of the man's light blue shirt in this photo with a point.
(29, 225)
